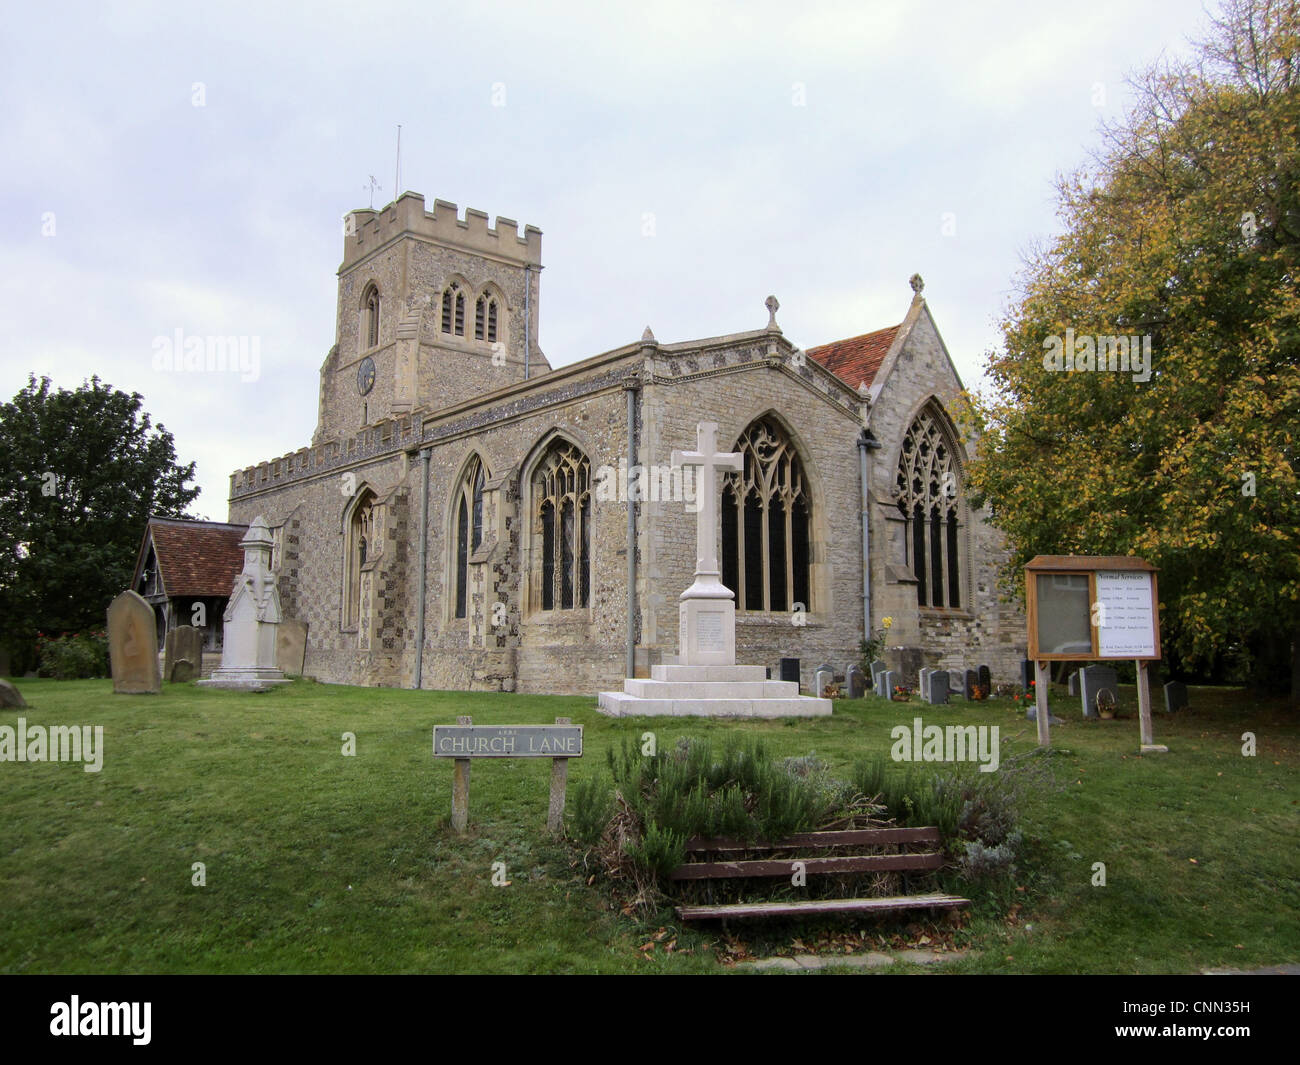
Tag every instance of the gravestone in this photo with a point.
(1175, 696)
(823, 678)
(1093, 679)
(133, 646)
(248, 639)
(10, 697)
(877, 667)
(1026, 674)
(885, 683)
(790, 670)
(936, 689)
(183, 654)
(921, 679)
(857, 682)
(986, 680)
(972, 680)
(291, 646)
(1072, 684)
(1052, 719)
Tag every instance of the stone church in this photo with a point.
(468, 517)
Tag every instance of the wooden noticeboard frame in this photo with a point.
(1116, 589)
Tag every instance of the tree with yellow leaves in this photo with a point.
(1147, 392)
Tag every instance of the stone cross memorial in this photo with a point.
(705, 681)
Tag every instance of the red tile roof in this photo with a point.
(857, 359)
(196, 557)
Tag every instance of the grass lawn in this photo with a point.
(317, 862)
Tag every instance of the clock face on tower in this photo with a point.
(366, 376)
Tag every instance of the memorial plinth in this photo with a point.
(707, 682)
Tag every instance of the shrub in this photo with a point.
(591, 809)
(73, 656)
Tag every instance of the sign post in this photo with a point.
(465, 741)
(1093, 609)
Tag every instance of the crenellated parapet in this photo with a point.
(394, 435)
(366, 229)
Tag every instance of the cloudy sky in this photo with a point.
(186, 166)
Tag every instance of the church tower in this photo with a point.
(433, 310)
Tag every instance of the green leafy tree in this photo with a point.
(1186, 229)
(80, 474)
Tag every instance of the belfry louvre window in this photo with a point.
(469, 529)
(927, 491)
(767, 523)
(485, 319)
(561, 507)
(453, 310)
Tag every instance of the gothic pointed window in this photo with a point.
(926, 490)
(767, 523)
(357, 544)
(453, 309)
(370, 316)
(485, 318)
(469, 529)
(561, 508)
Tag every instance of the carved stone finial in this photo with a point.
(773, 305)
(647, 337)
(917, 284)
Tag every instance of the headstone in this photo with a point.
(183, 654)
(972, 681)
(880, 687)
(936, 690)
(1052, 719)
(877, 667)
(822, 679)
(10, 697)
(790, 669)
(921, 680)
(251, 618)
(1093, 679)
(887, 681)
(1026, 674)
(986, 680)
(291, 646)
(1175, 696)
(133, 646)
(1073, 683)
(857, 682)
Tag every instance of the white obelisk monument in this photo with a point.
(706, 682)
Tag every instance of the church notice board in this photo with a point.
(1086, 607)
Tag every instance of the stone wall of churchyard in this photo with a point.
(984, 630)
(734, 386)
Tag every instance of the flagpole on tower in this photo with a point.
(397, 176)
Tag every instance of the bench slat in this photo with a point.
(812, 906)
(854, 837)
(862, 863)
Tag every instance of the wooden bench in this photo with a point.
(904, 862)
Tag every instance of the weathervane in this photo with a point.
(372, 185)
